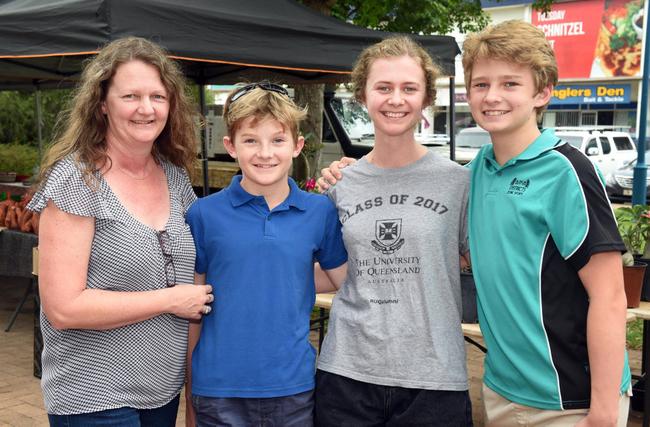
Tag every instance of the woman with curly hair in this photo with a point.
(116, 256)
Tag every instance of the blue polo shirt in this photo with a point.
(260, 264)
(533, 224)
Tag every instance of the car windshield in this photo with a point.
(576, 141)
(354, 118)
(472, 139)
(632, 163)
(623, 143)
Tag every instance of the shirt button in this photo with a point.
(499, 173)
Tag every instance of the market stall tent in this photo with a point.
(44, 42)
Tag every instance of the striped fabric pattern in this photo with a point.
(139, 365)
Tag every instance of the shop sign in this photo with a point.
(595, 38)
(591, 94)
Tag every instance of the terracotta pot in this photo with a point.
(633, 280)
(645, 291)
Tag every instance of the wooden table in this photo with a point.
(15, 188)
(16, 261)
(471, 331)
(324, 302)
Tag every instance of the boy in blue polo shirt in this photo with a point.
(256, 243)
(544, 247)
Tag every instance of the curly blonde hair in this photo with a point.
(81, 130)
(261, 103)
(394, 47)
(515, 42)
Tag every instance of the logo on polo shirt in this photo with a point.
(388, 233)
(518, 186)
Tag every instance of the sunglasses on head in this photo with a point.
(268, 86)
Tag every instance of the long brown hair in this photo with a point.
(81, 130)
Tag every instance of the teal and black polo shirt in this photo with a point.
(533, 224)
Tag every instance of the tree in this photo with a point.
(405, 16)
(417, 16)
(18, 115)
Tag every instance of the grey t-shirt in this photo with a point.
(396, 320)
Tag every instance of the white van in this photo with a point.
(607, 149)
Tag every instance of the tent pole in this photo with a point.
(39, 122)
(204, 142)
(639, 180)
(452, 118)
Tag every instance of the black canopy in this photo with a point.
(45, 41)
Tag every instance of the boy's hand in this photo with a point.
(593, 420)
(332, 174)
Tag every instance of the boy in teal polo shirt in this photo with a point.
(256, 243)
(544, 246)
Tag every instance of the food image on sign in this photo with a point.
(618, 48)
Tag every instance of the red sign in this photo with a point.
(572, 29)
(594, 38)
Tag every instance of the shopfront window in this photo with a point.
(567, 118)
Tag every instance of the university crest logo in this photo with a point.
(388, 233)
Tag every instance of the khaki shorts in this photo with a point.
(500, 412)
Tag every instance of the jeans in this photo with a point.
(287, 411)
(165, 416)
(344, 402)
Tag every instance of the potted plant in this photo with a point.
(634, 228)
(17, 160)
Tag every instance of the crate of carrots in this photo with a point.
(15, 216)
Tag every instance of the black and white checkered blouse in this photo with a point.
(139, 365)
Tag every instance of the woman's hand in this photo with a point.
(332, 174)
(191, 301)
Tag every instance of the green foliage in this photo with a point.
(194, 91)
(312, 145)
(634, 227)
(634, 335)
(18, 115)
(413, 16)
(418, 16)
(18, 158)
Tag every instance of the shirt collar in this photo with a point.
(238, 196)
(544, 142)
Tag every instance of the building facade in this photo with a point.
(598, 45)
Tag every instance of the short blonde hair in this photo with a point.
(389, 48)
(516, 42)
(261, 103)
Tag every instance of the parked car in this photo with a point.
(347, 130)
(469, 141)
(609, 150)
(619, 181)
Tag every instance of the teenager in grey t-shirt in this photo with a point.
(396, 320)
